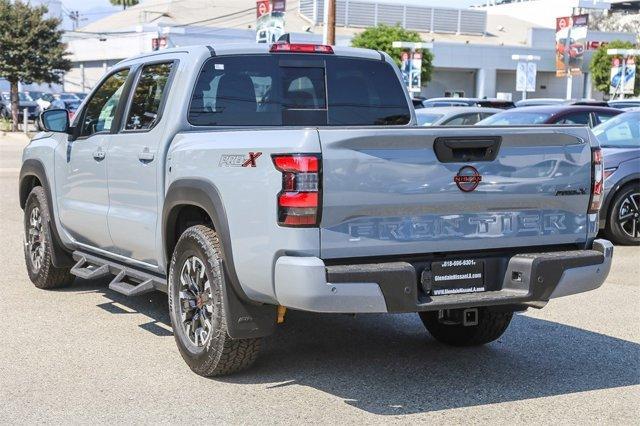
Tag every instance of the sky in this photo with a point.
(92, 10)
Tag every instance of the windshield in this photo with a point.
(22, 97)
(427, 119)
(510, 118)
(72, 105)
(622, 131)
(68, 97)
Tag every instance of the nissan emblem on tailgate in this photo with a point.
(467, 178)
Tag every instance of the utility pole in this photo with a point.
(74, 15)
(329, 31)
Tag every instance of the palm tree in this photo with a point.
(124, 3)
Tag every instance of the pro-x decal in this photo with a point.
(239, 160)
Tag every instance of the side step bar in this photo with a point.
(86, 270)
(128, 281)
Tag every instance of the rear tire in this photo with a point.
(491, 325)
(197, 309)
(623, 218)
(38, 246)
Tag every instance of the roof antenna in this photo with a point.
(284, 38)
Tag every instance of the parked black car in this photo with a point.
(24, 101)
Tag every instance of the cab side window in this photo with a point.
(101, 109)
(147, 97)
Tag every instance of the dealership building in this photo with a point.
(472, 47)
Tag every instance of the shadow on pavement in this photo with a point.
(388, 364)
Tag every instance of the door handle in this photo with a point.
(99, 154)
(145, 155)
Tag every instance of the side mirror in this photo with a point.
(55, 120)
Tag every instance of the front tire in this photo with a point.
(623, 219)
(197, 309)
(491, 325)
(38, 245)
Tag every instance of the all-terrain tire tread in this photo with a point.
(224, 354)
(48, 277)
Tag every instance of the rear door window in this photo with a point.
(297, 89)
(147, 97)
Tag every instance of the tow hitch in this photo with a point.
(466, 317)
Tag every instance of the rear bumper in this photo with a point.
(520, 280)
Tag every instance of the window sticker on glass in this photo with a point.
(106, 117)
(219, 66)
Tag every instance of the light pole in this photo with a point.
(625, 53)
(529, 70)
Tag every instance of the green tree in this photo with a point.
(381, 38)
(31, 50)
(600, 66)
(124, 3)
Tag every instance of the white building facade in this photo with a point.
(472, 48)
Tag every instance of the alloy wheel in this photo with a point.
(629, 215)
(196, 306)
(35, 239)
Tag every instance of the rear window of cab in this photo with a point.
(297, 90)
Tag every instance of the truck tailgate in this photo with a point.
(387, 191)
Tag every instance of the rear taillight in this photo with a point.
(300, 48)
(299, 200)
(597, 186)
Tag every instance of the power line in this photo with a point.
(216, 17)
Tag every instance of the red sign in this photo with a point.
(262, 7)
(571, 42)
(593, 45)
(562, 23)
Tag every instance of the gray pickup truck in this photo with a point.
(244, 181)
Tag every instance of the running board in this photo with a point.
(120, 285)
(88, 271)
(128, 280)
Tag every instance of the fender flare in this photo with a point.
(61, 255)
(245, 318)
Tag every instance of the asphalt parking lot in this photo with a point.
(87, 354)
